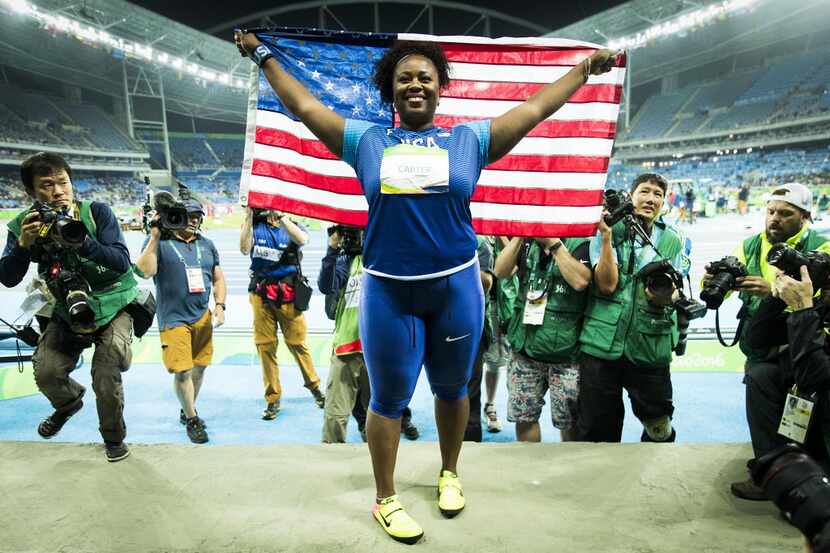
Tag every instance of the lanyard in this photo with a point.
(181, 258)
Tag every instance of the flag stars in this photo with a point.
(315, 75)
(370, 100)
(301, 63)
(356, 88)
(357, 110)
(329, 86)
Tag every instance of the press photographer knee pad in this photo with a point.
(658, 430)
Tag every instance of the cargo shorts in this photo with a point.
(529, 380)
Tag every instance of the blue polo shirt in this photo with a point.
(175, 305)
(417, 234)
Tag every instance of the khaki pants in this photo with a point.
(347, 378)
(293, 327)
(56, 357)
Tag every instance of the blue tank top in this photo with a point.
(418, 186)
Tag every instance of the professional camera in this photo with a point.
(789, 260)
(619, 206)
(70, 285)
(58, 225)
(725, 272)
(662, 278)
(351, 240)
(172, 212)
(800, 489)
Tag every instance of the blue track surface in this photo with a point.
(709, 407)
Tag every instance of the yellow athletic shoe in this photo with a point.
(450, 495)
(392, 517)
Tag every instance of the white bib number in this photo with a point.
(796, 418)
(408, 169)
(195, 280)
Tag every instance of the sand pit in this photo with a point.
(552, 497)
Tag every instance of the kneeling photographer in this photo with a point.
(81, 255)
(787, 393)
(278, 294)
(630, 327)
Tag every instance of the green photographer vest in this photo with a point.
(755, 250)
(556, 340)
(110, 291)
(346, 326)
(625, 323)
(505, 291)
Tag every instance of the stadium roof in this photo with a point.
(24, 45)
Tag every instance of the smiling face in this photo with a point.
(648, 200)
(783, 221)
(415, 92)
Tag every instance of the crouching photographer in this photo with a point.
(278, 294)
(630, 327)
(787, 393)
(82, 257)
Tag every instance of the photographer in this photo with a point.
(87, 269)
(787, 222)
(184, 266)
(544, 331)
(348, 388)
(273, 241)
(792, 322)
(630, 327)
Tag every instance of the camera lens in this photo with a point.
(714, 292)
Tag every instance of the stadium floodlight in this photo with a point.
(93, 35)
(680, 24)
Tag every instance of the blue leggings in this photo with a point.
(436, 323)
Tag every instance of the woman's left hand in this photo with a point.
(602, 61)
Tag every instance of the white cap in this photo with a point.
(793, 193)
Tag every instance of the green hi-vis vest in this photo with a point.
(346, 325)
(556, 340)
(755, 250)
(625, 323)
(110, 291)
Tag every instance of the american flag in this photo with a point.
(550, 184)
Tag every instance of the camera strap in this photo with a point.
(738, 330)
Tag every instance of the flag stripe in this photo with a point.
(307, 209)
(548, 129)
(515, 55)
(285, 135)
(537, 196)
(486, 109)
(567, 196)
(486, 90)
(338, 168)
(525, 73)
(510, 228)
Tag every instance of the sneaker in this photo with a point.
(52, 424)
(450, 495)
(116, 451)
(395, 521)
(196, 431)
(748, 490)
(493, 422)
(409, 430)
(183, 418)
(319, 398)
(270, 412)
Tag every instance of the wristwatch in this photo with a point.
(555, 247)
(222, 305)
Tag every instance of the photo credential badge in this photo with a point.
(408, 169)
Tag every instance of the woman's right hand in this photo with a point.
(245, 42)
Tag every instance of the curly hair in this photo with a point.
(384, 76)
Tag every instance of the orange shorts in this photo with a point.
(183, 347)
